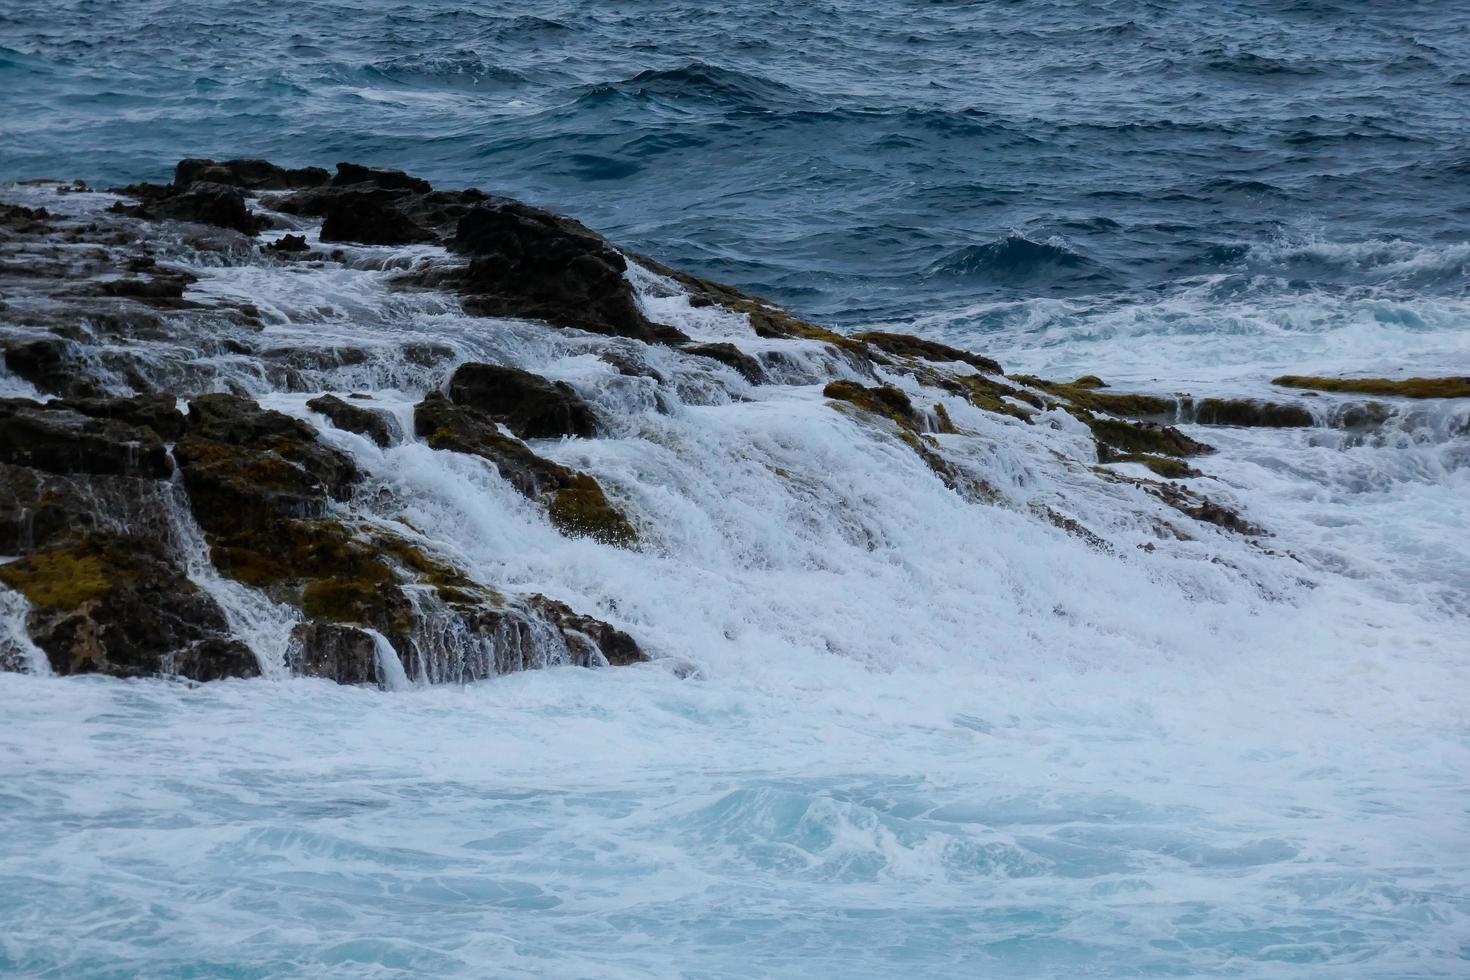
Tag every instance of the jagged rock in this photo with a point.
(118, 606)
(904, 345)
(528, 262)
(378, 425)
(56, 438)
(616, 647)
(254, 175)
(731, 356)
(370, 216)
(527, 404)
(349, 174)
(209, 204)
(289, 244)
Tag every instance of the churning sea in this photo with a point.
(952, 750)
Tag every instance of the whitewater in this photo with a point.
(884, 730)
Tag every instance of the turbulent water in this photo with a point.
(886, 732)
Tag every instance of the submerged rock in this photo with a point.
(731, 356)
(527, 404)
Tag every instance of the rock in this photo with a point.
(731, 356)
(289, 243)
(882, 400)
(379, 426)
(118, 606)
(527, 404)
(576, 503)
(246, 467)
(1248, 412)
(1148, 438)
(345, 654)
(370, 217)
(1452, 387)
(616, 647)
(351, 174)
(254, 175)
(209, 204)
(49, 363)
(904, 345)
(56, 438)
(527, 262)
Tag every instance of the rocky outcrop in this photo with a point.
(1453, 387)
(250, 175)
(904, 345)
(379, 426)
(528, 262)
(527, 404)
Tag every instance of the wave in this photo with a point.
(1016, 260)
(700, 81)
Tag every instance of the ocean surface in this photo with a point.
(883, 737)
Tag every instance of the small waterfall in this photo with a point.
(16, 648)
(390, 669)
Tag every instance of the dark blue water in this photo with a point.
(859, 161)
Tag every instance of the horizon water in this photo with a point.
(885, 732)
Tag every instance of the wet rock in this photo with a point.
(1452, 387)
(1248, 412)
(576, 503)
(253, 175)
(1141, 437)
(49, 363)
(370, 217)
(246, 467)
(58, 439)
(289, 244)
(352, 174)
(527, 262)
(882, 400)
(904, 345)
(731, 356)
(345, 654)
(206, 203)
(613, 645)
(629, 366)
(529, 405)
(378, 425)
(1166, 466)
(118, 606)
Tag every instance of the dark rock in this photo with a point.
(38, 508)
(345, 654)
(904, 345)
(247, 468)
(57, 439)
(1248, 412)
(251, 175)
(630, 366)
(208, 204)
(118, 606)
(370, 217)
(731, 356)
(165, 287)
(445, 425)
(1148, 438)
(528, 404)
(377, 425)
(882, 400)
(289, 243)
(616, 647)
(50, 364)
(527, 262)
(349, 174)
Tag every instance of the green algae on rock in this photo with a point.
(1453, 387)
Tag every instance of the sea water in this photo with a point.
(885, 732)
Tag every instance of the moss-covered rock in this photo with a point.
(1167, 467)
(1246, 412)
(1146, 438)
(884, 400)
(581, 509)
(1452, 387)
(120, 606)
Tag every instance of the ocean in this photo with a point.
(884, 732)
